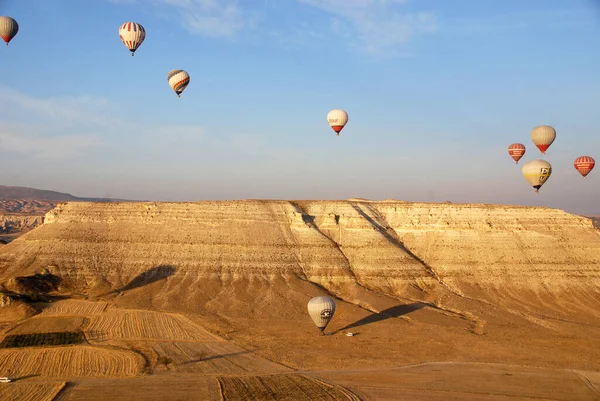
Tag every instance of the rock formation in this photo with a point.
(357, 250)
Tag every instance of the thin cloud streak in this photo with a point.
(209, 18)
(67, 126)
(375, 27)
(214, 18)
(46, 148)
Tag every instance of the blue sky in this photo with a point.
(435, 90)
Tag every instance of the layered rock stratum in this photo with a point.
(397, 248)
(19, 216)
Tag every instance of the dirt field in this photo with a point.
(152, 388)
(456, 381)
(69, 362)
(48, 325)
(30, 392)
(277, 387)
(146, 325)
(74, 307)
(212, 358)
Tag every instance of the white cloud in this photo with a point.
(67, 126)
(21, 142)
(375, 27)
(68, 110)
(211, 18)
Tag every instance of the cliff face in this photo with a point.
(364, 252)
(20, 216)
(14, 223)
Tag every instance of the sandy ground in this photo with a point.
(422, 355)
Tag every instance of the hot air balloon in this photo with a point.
(179, 80)
(8, 28)
(321, 310)
(516, 151)
(337, 119)
(584, 164)
(132, 34)
(537, 172)
(543, 136)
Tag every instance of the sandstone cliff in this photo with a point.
(358, 250)
(20, 216)
(15, 223)
(457, 282)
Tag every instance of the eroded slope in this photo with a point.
(459, 282)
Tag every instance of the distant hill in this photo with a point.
(596, 220)
(24, 193)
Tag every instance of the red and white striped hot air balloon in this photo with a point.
(516, 151)
(132, 34)
(337, 119)
(8, 28)
(584, 164)
(543, 136)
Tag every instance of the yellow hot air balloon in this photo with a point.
(321, 310)
(8, 28)
(337, 119)
(537, 172)
(179, 80)
(132, 34)
(543, 136)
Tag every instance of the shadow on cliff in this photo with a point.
(393, 240)
(39, 287)
(394, 311)
(148, 277)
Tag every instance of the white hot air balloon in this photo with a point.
(8, 28)
(132, 34)
(543, 136)
(537, 172)
(178, 80)
(337, 119)
(321, 310)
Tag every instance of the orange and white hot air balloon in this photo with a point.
(337, 119)
(132, 34)
(543, 136)
(537, 172)
(8, 28)
(584, 164)
(178, 80)
(516, 151)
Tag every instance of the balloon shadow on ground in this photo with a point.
(148, 277)
(25, 377)
(394, 311)
(215, 357)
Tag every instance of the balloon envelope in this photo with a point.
(543, 136)
(516, 151)
(321, 310)
(584, 164)
(537, 172)
(132, 34)
(179, 80)
(8, 28)
(337, 119)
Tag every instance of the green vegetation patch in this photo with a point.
(42, 339)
